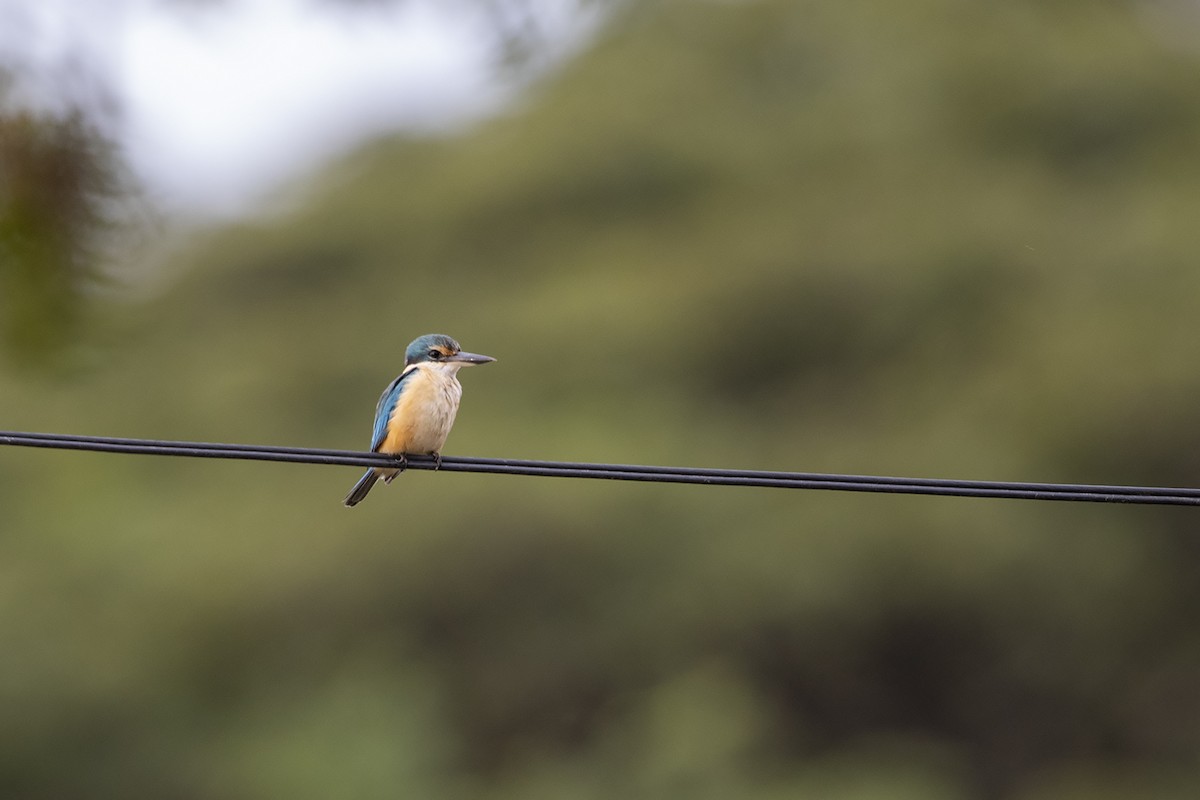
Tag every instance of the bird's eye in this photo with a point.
(435, 354)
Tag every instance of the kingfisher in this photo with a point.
(416, 410)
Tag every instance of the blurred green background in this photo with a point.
(938, 238)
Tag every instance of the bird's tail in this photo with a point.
(361, 488)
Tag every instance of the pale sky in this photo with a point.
(220, 102)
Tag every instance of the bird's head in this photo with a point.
(437, 348)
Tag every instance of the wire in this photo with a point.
(625, 472)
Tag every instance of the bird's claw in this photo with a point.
(402, 460)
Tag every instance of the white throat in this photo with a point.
(448, 369)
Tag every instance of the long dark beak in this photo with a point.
(469, 358)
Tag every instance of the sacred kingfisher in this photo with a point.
(417, 409)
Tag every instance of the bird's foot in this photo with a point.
(437, 460)
(403, 461)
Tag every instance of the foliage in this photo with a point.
(58, 181)
(931, 239)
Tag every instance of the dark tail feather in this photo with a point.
(361, 488)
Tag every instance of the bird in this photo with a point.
(417, 409)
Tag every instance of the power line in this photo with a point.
(626, 472)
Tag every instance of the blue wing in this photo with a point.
(387, 403)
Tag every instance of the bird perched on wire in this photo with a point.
(416, 411)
